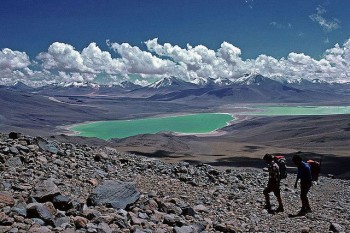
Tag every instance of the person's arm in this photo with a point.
(296, 181)
(309, 175)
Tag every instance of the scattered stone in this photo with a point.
(4, 229)
(45, 191)
(58, 222)
(20, 209)
(41, 191)
(335, 227)
(38, 221)
(169, 220)
(80, 222)
(305, 230)
(14, 151)
(184, 229)
(188, 211)
(6, 198)
(62, 202)
(5, 220)
(200, 208)
(14, 162)
(38, 210)
(41, 229)
(46, 145)
(93, 182)
(104, 228)
(22, 148)
(115, 194)
(14, 135)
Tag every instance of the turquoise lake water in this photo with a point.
(300, 110)
(194, 123)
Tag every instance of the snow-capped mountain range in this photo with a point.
(246, 79)
(249, 87)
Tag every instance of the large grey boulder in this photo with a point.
(115, 194)
(14, 161)
(45, 145)
(14, 135)
(38, 210)
(45, 191)
(335, 227)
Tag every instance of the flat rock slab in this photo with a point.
(38, 210)
(6, 198)
(115, 194)
(14, 161)
(46, 145)
(45, 191)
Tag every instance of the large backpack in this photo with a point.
(281, 162)
(315, 168)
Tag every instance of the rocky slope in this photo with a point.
(62, 187)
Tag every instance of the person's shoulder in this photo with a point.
(305, 165)
(275, 165)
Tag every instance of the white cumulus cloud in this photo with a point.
(63, 57)
(143, 62)
(63, 63)
(333, 67)
(75, 77)
(10, 59)
(98, 60)
(199, 61)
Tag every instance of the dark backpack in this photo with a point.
(315, 168)
(281, 162)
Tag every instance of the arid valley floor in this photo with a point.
(241, 144)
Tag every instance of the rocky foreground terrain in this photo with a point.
(47, 186)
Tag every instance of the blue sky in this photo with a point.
(271, 27)
(263, 31)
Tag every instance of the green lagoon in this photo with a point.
(299, 110)
(192, 124)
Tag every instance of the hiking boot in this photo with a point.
(280, 209)
(267, 207)
(308, 210)
(303, 212)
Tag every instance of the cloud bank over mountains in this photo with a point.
(63, 63)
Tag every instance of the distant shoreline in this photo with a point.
(218, 132)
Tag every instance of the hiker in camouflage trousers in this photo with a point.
(273, 184)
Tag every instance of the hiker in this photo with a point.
(304, 174)
(273, 184)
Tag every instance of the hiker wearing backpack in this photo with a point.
(273, 184)
(304, 175)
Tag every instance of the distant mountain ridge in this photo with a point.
(251, 87)
(246, 79)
